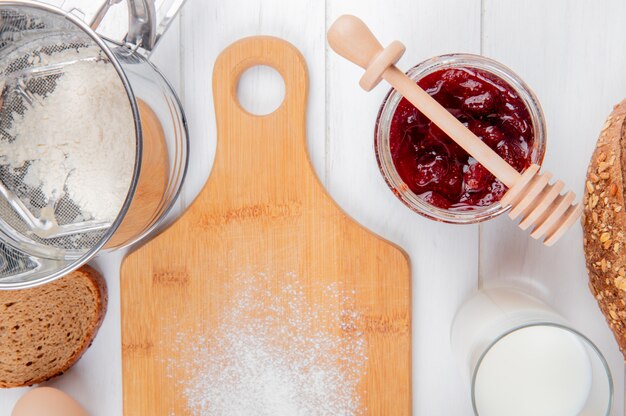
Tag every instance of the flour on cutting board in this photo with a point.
(276, 360)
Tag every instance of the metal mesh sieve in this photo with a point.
(28, 38)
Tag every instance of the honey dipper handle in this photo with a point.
(353, 40)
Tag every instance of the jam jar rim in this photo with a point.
(390, 104)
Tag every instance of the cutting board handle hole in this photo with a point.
(260, 90)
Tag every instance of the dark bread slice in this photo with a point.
(46, 329)
(604, 223)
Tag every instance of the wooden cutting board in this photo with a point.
(263, 212)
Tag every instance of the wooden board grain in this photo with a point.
(521, 34)
(444, 257)
(263, 210)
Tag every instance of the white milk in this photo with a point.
(538, 371)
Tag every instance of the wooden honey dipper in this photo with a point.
(532, 198)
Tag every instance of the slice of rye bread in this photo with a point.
(604, 223)
(46, 329)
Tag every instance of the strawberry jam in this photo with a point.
(440, 171)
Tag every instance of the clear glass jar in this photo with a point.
(161, 145)
(388, 108)
(490, 338)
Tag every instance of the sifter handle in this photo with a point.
(101, 13)
(148, 22)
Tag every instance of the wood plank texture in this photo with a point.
(569, 51)
(444, 257)
(571, 54)
(263, 210)
(207, 27)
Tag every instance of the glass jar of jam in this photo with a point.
(430, 173)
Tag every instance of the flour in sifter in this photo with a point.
(79, 140)
(277, 355)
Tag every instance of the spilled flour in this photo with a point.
(270, 355)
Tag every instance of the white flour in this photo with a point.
(79, 140)
(275, 360)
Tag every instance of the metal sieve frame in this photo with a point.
(71, 264)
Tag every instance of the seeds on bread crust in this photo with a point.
(604, 223)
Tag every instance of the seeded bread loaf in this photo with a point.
(604, 223)
(45, 330)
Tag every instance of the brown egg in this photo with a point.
(46, 401)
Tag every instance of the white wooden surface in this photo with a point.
(569, 51)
